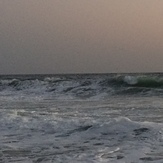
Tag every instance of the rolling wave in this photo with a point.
(144, 81)
(84, 86)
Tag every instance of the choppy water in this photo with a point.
(115, 118)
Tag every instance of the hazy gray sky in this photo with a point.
(81, 36)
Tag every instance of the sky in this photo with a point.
(81, 36)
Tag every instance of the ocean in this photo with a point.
(81, 118)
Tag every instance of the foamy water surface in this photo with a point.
(90, 122)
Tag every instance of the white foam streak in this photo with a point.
(132, 80)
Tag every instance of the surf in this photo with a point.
(94, 86)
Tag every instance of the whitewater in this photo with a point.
(81, 118)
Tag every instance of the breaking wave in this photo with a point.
(84, 86)
(144, 81)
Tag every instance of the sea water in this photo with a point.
(98, 118)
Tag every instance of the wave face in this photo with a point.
(83, 86)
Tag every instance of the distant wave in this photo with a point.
(84, 86)
(144, 81)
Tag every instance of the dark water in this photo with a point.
(85, 86)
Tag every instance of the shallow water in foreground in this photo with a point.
(93, 121)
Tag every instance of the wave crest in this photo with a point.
(144, 81)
